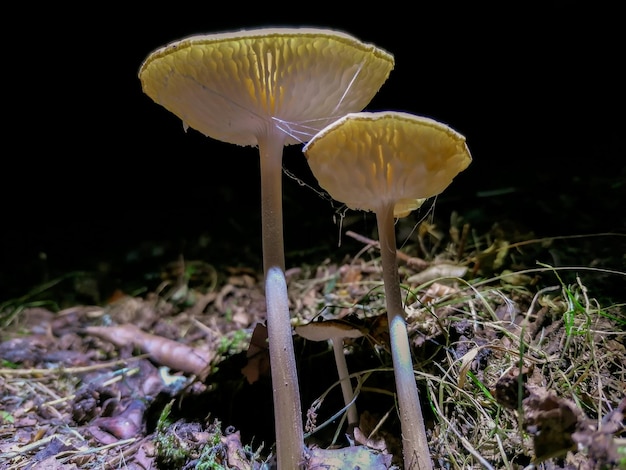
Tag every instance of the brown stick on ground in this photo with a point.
(412, 261)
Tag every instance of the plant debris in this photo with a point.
(518, 363)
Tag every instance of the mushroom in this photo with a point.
(268, 88)
(335, 331)
(388, 162)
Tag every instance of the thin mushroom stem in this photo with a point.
(271, 154)
(344, 378)
(287, 408)
(286, 391)
(415, 443)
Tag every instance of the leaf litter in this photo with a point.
(521, 366)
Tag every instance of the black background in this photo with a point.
(92, 167)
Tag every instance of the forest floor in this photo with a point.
(519, 348)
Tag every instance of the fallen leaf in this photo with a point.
(235, 453)
(353, 457)
(164, 351)
(127, 424)
(258, 355)
(552, 421)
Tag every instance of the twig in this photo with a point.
(70, 370)
(412, 261)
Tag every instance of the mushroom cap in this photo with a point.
(366, 160)
(328, 329)
(235, 86)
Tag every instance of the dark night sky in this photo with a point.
(92, 164)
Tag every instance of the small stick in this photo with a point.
(414, 262)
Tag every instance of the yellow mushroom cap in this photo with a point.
(366, 160)
(235, 86)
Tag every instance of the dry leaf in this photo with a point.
(258, 355)
(346, 457)
(163, 351)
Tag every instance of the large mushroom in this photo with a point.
(268, 88)
(388, 162)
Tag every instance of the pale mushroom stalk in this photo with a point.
(288, 412)
(344, 379)
(271, 153)
(287, 408)
(414, 440)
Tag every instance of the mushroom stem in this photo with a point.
(286, 391)
(287, 408)
(344, 378)
(415, 443)
(271, 152)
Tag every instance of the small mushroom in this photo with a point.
(335, 331)
(268, 88)
(388, 163)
